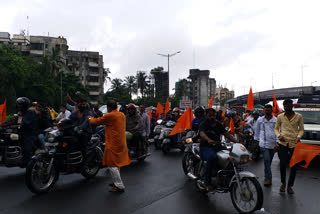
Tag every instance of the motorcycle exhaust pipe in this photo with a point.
(192, 176)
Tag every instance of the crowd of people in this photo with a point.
(272, 134)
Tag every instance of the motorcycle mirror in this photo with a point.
(16, 116)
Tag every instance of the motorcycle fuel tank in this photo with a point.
(222, 157)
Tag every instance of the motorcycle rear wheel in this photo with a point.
(252, 193)
(165, 148)
(36, 178)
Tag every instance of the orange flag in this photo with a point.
(4, 111)
(159, 109)
(184, 122)
(150, 115)
(250, 103)
(304, 152)
(1, 110)
(275, 108)
(231, 125)
(223, 114)
(210, 102)
(167, 107)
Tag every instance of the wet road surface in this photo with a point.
(155, 186)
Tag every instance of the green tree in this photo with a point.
(131, 85)
(141, 82)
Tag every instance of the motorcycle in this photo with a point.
(156, 134)
(170, 141)
(11, 153)
(251, 144)
(10, 146)
(191, 154)
(137, 150)
(63, 154)
(229, 176)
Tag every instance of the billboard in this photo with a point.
(185, 104)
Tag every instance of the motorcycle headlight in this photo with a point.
(14, 136)
(189, 140)
(244, 158)
(250, 134)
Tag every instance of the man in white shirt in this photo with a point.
(267, 138)
(64, 113)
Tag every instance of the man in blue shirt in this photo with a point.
(199, 117)
(267, 138)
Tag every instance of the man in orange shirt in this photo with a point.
(116, 151)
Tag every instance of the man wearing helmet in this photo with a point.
(134, 124)
(199, 117)
(175, 114)
(29, 128)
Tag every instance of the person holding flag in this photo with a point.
(210, 131)
(289, 129)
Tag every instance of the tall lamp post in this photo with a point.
(168, 56)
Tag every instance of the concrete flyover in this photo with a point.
(264, 97)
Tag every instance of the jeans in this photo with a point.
(41, 139)
(285, 154)
(208, 154)
(267, 157)
(27, 148)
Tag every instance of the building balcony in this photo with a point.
(93, 84)
(93, 74)
(94, 93)
(36, 52)
(93, 64)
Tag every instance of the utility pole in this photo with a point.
(168, 56)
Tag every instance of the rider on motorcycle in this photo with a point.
(175, 114)
(210, 131)
(134, 124)
(29, 128)
(199, 118)
(81, 123)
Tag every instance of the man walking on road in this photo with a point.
(264, 133)
(116, 151)
(291, 125)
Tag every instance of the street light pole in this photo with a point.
(168, 56)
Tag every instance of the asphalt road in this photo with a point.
(156, 186)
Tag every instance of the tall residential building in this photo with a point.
(88, 66)
(202, 87)
(223, 94)
(161, 82)
(85, 64)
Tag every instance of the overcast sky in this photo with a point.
(241, 42)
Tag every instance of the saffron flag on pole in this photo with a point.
(304, 152)
(183, 123)
(231, 125)
(4, 112)
(150, 114)
(210, 102)
(250, 103)
(275, 108)
(159, 109)
(167, 109)
(1, 110)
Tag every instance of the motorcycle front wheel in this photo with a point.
(251, 198)
(38, 180)
(188, 163)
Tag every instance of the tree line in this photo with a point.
(23, 76)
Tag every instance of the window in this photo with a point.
(93, 79)
(37, 46)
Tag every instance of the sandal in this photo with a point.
(116, 189)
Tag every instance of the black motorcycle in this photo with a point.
(64, 154)
(137, 150)
(191, 156)
(10, 146)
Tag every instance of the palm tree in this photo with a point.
(141, 81)
(116, 84)
(130, 83)
(55, 61)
